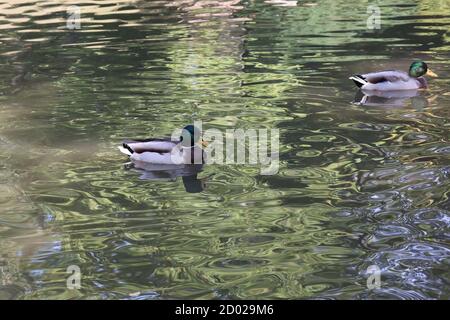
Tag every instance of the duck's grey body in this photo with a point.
(390, 80)
(162, 152)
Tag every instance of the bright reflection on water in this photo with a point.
(359, 184)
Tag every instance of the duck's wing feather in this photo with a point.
(149, 145)
(386, 76)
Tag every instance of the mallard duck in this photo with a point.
(166, 154)
(394, 80)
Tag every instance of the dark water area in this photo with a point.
(359, 184)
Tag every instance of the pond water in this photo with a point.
(359, 185)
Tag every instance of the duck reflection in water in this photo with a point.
(188, 173)
(393, 99)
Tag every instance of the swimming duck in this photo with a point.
(165, 153)
(394, 80)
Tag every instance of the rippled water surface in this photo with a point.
(358, 185)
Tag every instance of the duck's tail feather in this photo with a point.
(358, 80)
(125, 149)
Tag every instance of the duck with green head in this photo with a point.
(188, 149)
(395, 80)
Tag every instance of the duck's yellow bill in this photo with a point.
(431, 74)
